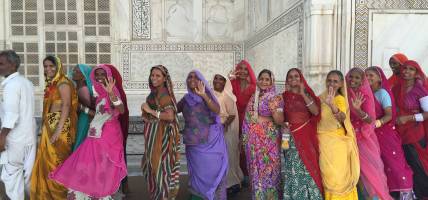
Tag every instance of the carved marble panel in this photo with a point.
(141, 19)
(219, 15)
(362, 18)
(180, 22)
(137, 59)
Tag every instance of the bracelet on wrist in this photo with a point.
(310, 103)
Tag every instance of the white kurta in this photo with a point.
(17, 114)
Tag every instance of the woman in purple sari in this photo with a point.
(398, 173)
(206, 151)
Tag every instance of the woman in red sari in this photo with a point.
(244, 86)
(395, 62)
(411, 96)
(302, 112)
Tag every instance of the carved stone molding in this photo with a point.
(141, 19)
(287, 19)
(175, 50)
(361, 30)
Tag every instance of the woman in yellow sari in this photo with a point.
(58, 131)
(339, 162)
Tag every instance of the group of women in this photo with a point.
(364, 137)
(84, 125)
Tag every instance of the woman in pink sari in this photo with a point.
(362, 118)
(398, 173)
(411, 95)
(96, 168)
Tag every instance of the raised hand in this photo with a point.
(146, 108)
(358, 101)
(330, 96)
(200, 90)
(109, 84)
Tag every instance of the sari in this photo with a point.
(161, 162)
(49, 155)
(372, 170)
(242, 98)
(83, 119)
(99, 160)
(206, 151)
(227, 101)
(261, 141)
(339, 162)
(412, 133)
(303, 176)
(397, 171)
(400, 58)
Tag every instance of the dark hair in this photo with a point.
(11, 57)
(163, 73)
(337, 72)
(52, 59)
(374, 69)
(265, 71)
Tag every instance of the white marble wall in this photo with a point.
(2, 24)
(406, 33)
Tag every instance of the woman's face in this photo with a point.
(157, 78)
(355, 79)
(334, 81)
(77, 74)
(293, 78)
(264, 81)
(373, 78)
(242, 72)
(192, 81)
(395, 66)
(409, 72)
(219, 82)
(101, 76)
(50, 69)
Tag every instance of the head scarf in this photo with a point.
(365, 89)
(168, 83)
(193, 99)
(58, 75)
(242, 97)
(385, 85)
(400, 58)
(308, 89)
(99, 89)
(86, 71)
(228, 89)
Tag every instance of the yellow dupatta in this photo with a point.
(49, 155)
(339, 161)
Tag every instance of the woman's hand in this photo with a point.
(404, 119)
(55, 136)
(358, 101)
(146, 108)
(302, 89)
(109, 84)
(329, 100)
(200, 90)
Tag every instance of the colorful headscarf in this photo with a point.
(193, 99)
(59, 73)
(307, 88)
(86, 71)
(400, 58)
(99, 89)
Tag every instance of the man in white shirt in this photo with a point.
(18, 127)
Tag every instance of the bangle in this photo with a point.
(418, 117)
(86, 110)
(279, 110)
(365, 116)
(310, 103)
(158, 114)
(378, 123)
(117, 103)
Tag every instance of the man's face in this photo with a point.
(5, 66)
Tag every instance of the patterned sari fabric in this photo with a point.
(261, 141)
(227, 101)
(398, 172)
(206, 150)
(412, 133)
(161, 162)
(83, 119)
(339, 162)
(303, 176)
(99, 160)
(49, 156)
(242, 98)
(372, 170)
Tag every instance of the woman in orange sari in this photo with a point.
(59, 121)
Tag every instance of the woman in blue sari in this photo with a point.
(80, 76)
